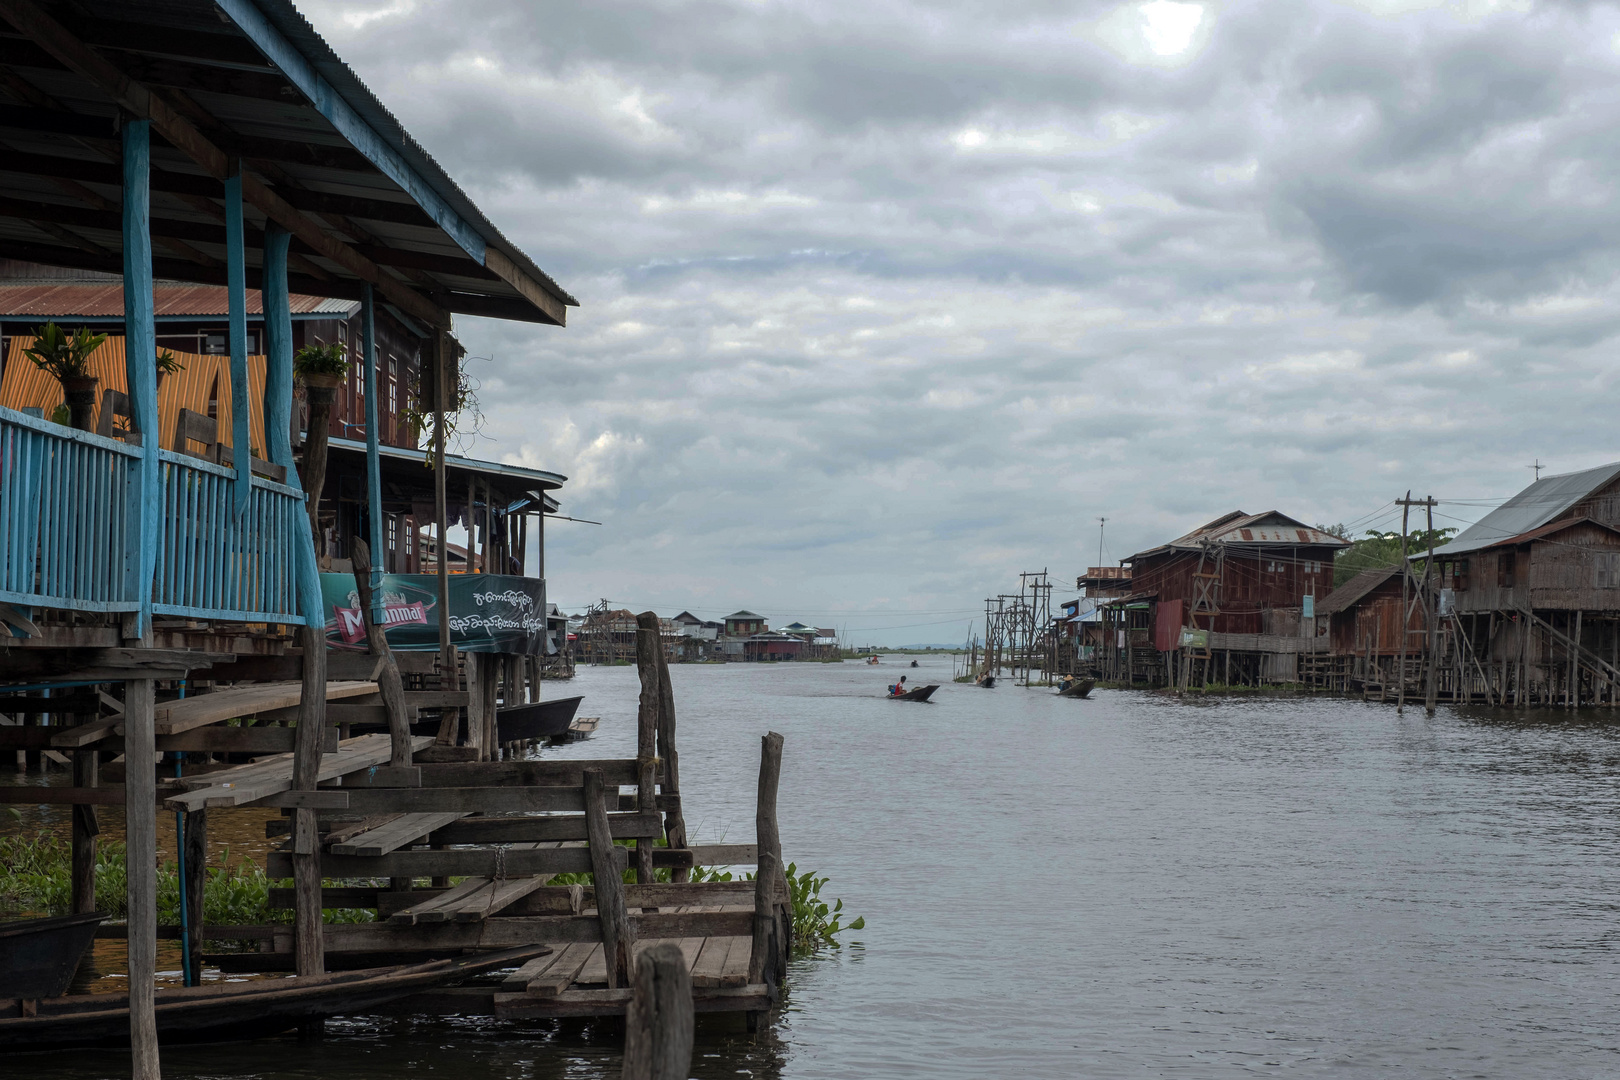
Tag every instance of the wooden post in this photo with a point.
(389, 683)
(618, 937)
(649, 650)
(1574, 664)
(763, 961)
(315, 446)
(196, 825)
(674, 819)
(767, 836)
(85, 829)
(140, 372)
(374, 511)
(236, 304)
(443, 388)
(140, 846)
(659, 1024)
(490, 687)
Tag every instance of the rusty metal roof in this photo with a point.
(24, 299)
(1353, 590)
(1270, 529)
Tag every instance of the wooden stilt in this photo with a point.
(85, 830)
(196, 829)
(389, 682)
(659, 1024)
(649, 648)
(618, 934)
(140, 846)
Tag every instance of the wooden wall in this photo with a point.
(1252, 581)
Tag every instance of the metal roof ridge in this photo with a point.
(302, 35)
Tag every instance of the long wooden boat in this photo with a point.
(541, 720)
(1078, 688)
(922, 693)
(39, 956)
(242, 1010)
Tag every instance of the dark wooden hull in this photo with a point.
(241, 1010)
(986, 681)
(1079, 689)
(39, 956)
(922, 693)
(542, 720)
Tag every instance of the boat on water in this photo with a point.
(921, 693)
(915, 664)
(871, 659)
(986, 680)
(39, 956)
(1073, 687)
(581, 729)
(539, 720)
(241, 1010)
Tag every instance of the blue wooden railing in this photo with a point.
(66, 511)
(65, 499)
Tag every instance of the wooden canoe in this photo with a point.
(241, 1010)
(541, 720)
(922, 693)
(1078, 688)
(986, 681)
(39, 956)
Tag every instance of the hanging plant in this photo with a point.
(461, 414)
(317, 361)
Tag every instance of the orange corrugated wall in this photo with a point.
(25, 385)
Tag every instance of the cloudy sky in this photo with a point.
(883, 302)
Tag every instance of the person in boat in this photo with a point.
(899, 688)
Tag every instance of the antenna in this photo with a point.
(1538, 466)
(1102, 524)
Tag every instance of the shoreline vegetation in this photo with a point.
(36, 880)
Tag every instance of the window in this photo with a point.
(1504, 570)
(393, 387)
(1608, 569)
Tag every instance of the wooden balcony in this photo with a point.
(70, 515)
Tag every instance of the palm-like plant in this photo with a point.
(64, 355)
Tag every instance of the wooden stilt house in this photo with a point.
(148, 593)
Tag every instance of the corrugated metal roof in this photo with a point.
(454, 461)
(1272, 528)
(1363, 583)
(25, 385)
(1544, 501)
(23, 299)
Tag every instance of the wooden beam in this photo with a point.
(554, 307)
(108, 665)
(462, 862)
(138, 99)
(527, 828)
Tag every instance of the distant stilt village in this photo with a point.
(1521, 608)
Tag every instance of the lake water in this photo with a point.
(1126, 886)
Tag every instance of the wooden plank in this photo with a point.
(506, 931)
(357, 897)
(262, 779)
(184, 714)
(594, 972)
(83, 735)
(431, 909)
(707, 855)
(671, 895)
(735, 971)
(710, 965)
(503, 895)
(105, 795)
(518, 981)
(468, 800)
(464, 862)
(512, 830)
(319, 799)
(561, 974)
(405, 829)
(385, 776)
(547, 772)
(753, 998)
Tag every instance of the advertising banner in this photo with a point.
(488, 613)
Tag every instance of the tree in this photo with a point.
(1380, 550)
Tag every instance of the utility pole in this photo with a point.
(1538, 466)
(1431, 688)
(1406, 577)
(1102, 525)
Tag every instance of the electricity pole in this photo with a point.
(1431, 615)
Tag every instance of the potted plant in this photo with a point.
(322, 369)
(67, 357)
(167, 364)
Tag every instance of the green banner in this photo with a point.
(488, 613)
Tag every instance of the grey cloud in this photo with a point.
(884, 302)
